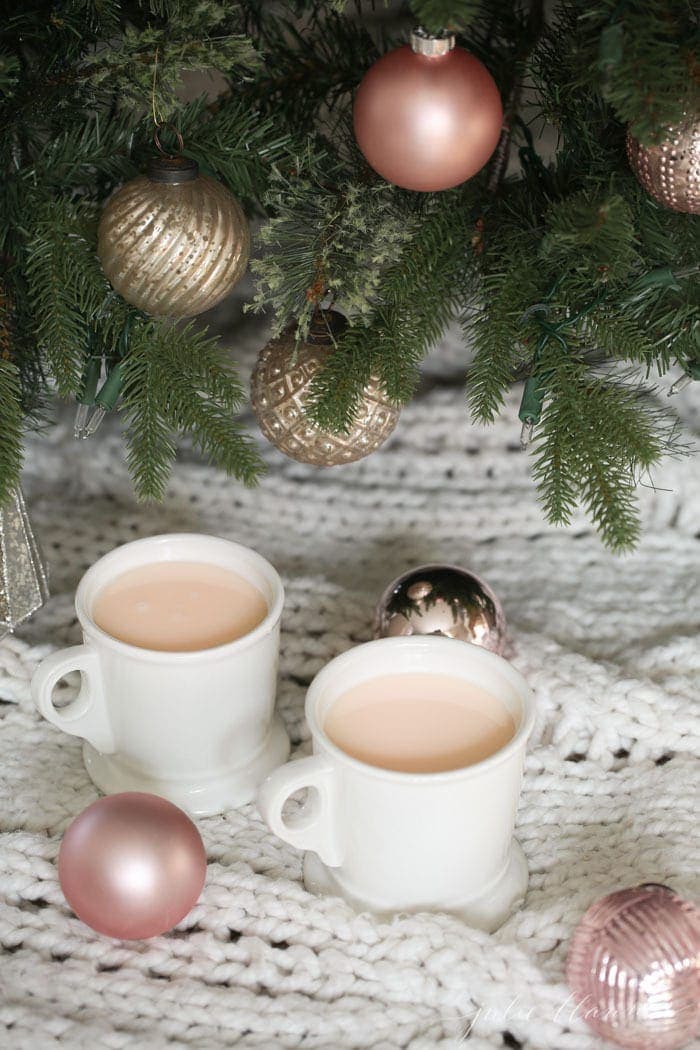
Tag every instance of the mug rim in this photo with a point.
(267, 624)
(437, 644)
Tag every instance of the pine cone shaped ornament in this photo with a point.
(173, 242)
(280, 389)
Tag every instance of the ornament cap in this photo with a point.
(172, 170)
(432, 45)
(326, 326)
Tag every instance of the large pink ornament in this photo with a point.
(427, 116)
(132, 865)
(634, 968)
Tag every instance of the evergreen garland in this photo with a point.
(567, 275)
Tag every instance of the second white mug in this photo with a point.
(393, 841)
(196, 727)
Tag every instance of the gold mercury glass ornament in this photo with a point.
(280, 389)
(670, 172)
(444, 600)
(173, 242)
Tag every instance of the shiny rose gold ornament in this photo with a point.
(442, 599)
(132, 865)
(280, 389)
(173, 242)
(670, 172)
(428, 115)
(634, 968)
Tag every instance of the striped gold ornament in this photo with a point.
(173, 242)
(280, 389)
(634, 968)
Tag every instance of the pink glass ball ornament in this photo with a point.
(427, 116)
(132, 865)
(444, 600)
(634, 968)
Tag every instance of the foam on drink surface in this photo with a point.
(419, 722)
(179, 606)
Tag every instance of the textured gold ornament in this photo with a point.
(444, 600)
(280, 390)
(173, 242)
(670, 172)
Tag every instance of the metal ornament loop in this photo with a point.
(171, 168)
(178, 136)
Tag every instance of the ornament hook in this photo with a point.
(157, 143)
(171, 168)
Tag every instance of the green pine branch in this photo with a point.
(10, 427)
(9, 74)
(599, 433)
(593, 235)
(235, 143)
(177, 381)
(638, 57)
(93, 152)
(620, 337)
(144, 66)
(435, 15)
(311, 67)
(330, 234)
(502, 336)
(419, 296)
(569, 268)
(649, 72)
(67, 287)
(150, 442)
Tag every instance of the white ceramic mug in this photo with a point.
(392, 841)
(196, 727)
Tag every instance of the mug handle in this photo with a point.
(315, 827)
(86, 716)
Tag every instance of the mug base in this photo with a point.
(486, 912)
(200, 799)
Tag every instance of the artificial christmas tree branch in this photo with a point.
(10, 427)
(616, 270)
(533, 30)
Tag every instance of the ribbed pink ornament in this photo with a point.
(634, 968)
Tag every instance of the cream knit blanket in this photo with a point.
(609, 644)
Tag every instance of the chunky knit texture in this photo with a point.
(609, 645)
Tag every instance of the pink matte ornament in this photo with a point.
(132, 865)
(427, 122)
(634, 968)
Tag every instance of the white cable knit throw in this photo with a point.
(609, 644)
